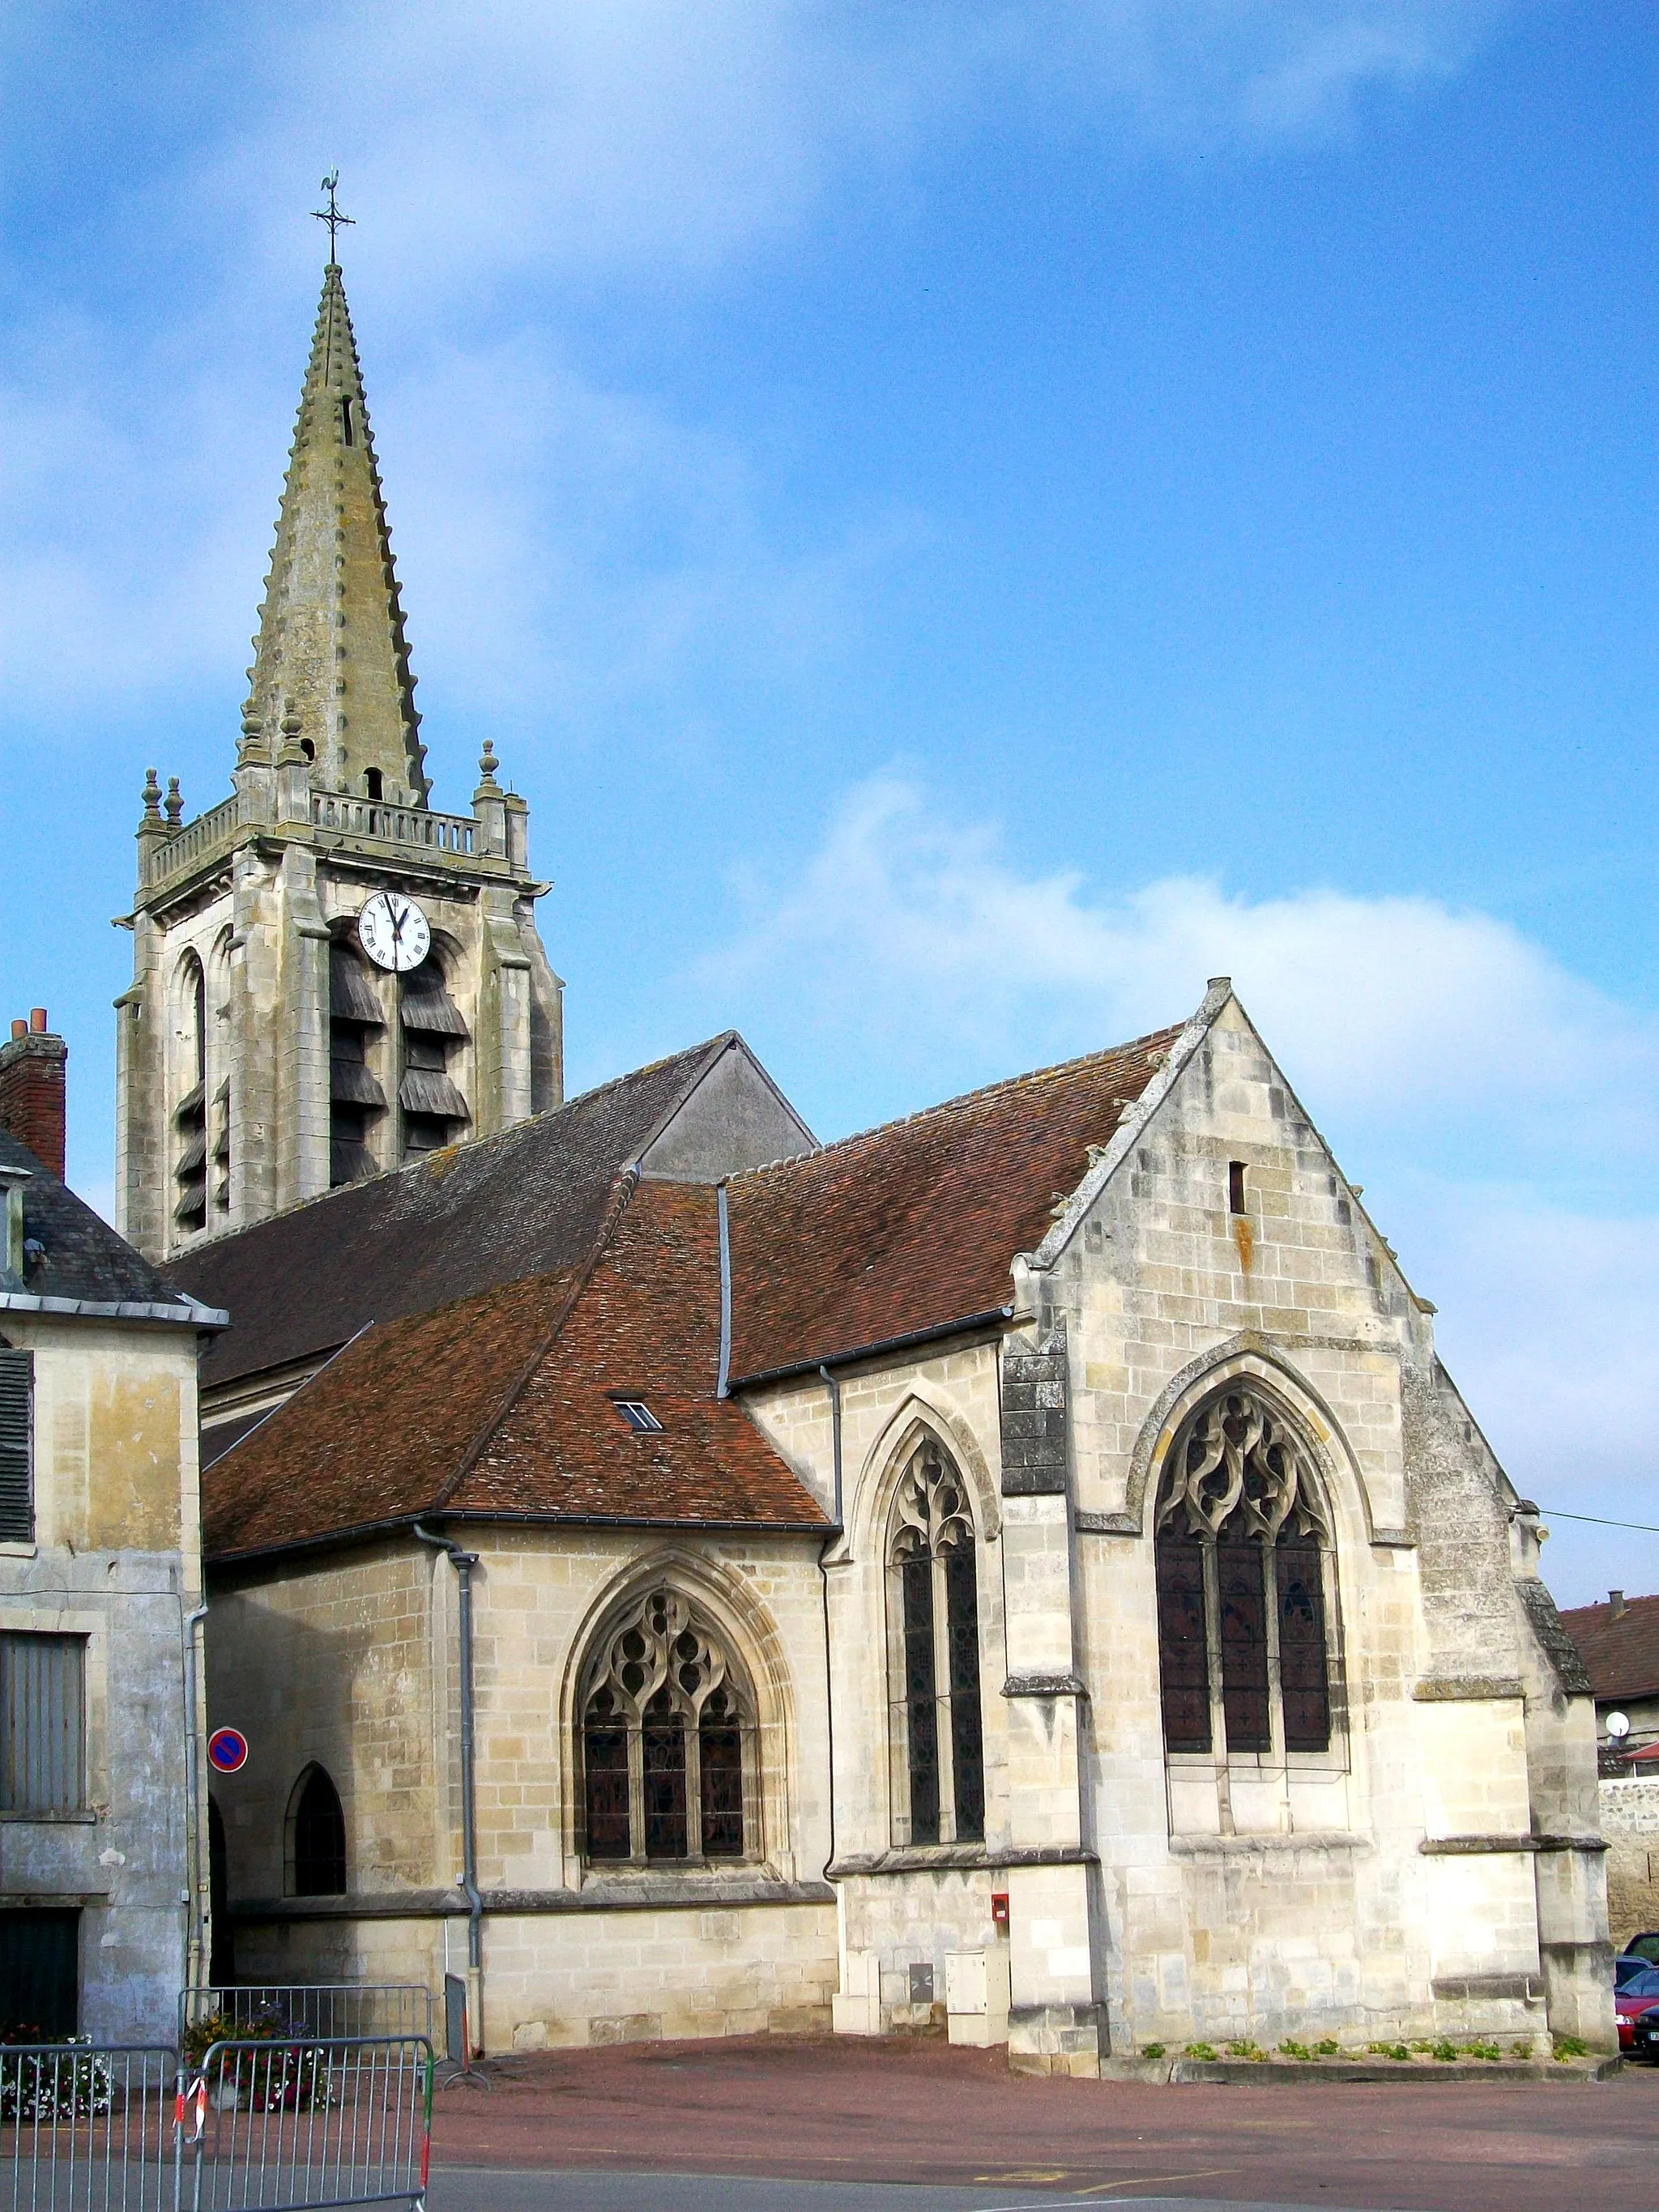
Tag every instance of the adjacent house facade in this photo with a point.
(103, 1887)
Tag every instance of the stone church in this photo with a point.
(1023, 1567)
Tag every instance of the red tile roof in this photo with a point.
(1620, 1652)
(527, 1200)
(913, 1227)
(505, 1403)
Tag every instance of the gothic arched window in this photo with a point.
(933, 1579)
(668, 1742)
(316, 1838)
(1241, 1540)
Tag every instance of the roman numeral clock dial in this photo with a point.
(393, 932)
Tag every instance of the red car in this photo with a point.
(1639, 1996)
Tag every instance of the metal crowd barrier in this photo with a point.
(287, 2126)
(326, 2010)
(262, 2124)
(85, 2128)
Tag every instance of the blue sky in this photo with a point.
(963, 518)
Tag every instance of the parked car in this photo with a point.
(1626, 1964)
(1643, 1946)
(1639, 2002)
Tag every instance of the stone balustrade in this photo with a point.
(393, 825)
(417, 827)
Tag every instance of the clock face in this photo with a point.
(393, 932)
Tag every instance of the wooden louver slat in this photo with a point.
(16, 1483)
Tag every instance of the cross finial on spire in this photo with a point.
(331, 215)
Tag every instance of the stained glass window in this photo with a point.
(1240, 1561)
(667, 1741)
(935, 1567)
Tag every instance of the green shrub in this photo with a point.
(1484, 2051)
(1521, 2049)
(1246, 2048)
(1292, 2048)
(1328, 2048)
(1443, 2051)
(1571, 2046)
(1388, 2050)
(1200, 2050)
(1151, 2050)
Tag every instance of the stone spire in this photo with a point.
(331, 656)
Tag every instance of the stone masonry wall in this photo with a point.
(1630, 1821)
(351, 1660)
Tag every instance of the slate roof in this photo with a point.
(504, 1403)
(1621, 1654)
(527, 1201)
(911, 1228)
(83, 1257)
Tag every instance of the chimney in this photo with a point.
(1616, 1605)
(32, 1088)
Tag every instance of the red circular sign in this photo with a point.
(228, 1750)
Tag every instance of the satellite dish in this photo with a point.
(1619, 1726)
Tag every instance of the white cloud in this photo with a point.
(490, 144)
(1497, 1108)
(481, 139)
(1395, 1013)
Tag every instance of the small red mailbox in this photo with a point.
(999, 1908)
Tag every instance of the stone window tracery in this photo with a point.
(933, 1579)
(1241, 1544)
(668, 1742)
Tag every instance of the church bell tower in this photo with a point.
(330, 977)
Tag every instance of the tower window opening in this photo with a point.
(1236, 1187)
(374, 783)
(190, 1115)
(345, 420)
(355, 1100)
(435, 1108)
(307, 749)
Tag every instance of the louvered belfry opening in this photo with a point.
(17, 1446)
(190, 1115)
(435, 1108)
(1242, 1552)
(356, 1103)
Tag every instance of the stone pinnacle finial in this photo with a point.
(488, 765)
(175, 804)
(152, 797)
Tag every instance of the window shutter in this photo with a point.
(16, 1483)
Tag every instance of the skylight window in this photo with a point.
(638, 1415)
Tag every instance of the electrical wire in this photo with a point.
(1641, 1527)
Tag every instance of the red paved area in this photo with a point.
(912, 2109)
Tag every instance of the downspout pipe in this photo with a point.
(464, 1562)
(829, 1663)
(196, 1965)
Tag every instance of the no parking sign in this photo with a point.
(226, 1751)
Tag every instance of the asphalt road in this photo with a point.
(483, 2189)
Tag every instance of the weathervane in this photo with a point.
(331, 215)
